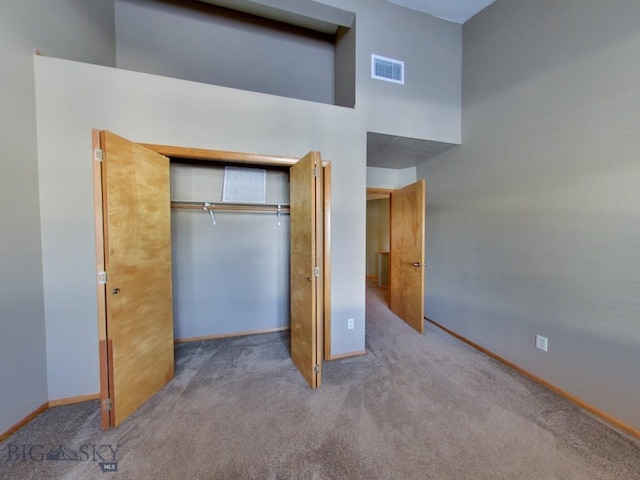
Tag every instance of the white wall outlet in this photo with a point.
(350, 324)
(542, 343)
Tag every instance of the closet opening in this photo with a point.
(255, 227)
(396, 229)
(230, 228)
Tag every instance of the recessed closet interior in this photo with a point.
(230, 267)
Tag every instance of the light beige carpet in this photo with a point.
(416, 407)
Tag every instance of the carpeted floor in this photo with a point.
(416, 407)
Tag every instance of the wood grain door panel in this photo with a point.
(407, 250)
(137, 234)
(306, 212)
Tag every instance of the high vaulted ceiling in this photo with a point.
(458, 11)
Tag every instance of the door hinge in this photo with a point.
(316, 272)
(315, 171)
(316, 369)
(98, 154)
(102, 278)
(106, 404)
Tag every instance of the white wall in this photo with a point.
(82, 30)
(533, 223)
(153, 109)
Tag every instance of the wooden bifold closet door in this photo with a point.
(307, 288)
(138, 290)
(135, 305)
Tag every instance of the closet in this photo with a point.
(232, 261)
(230, 256)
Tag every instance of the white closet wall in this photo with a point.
(231, 277)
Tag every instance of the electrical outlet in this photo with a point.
(542, 343)
(350, 324)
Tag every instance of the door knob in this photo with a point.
(115, 291)
(419, 264)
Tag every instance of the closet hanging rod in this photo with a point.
(231, 207)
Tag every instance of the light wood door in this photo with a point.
(306, 199)
(137, 247)
(407, 254)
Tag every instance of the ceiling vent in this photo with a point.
(387, 69)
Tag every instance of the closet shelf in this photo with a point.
(231, 207)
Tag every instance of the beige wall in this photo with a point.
(80, 30)
(377, 233)
(154, 109)
(199, 42)
(533, 224)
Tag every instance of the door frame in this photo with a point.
(201, 155)
(377, 194)
(386, 193)
(103, 350)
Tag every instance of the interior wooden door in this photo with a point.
(137, 259)
(306, 211)
(406, 296)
